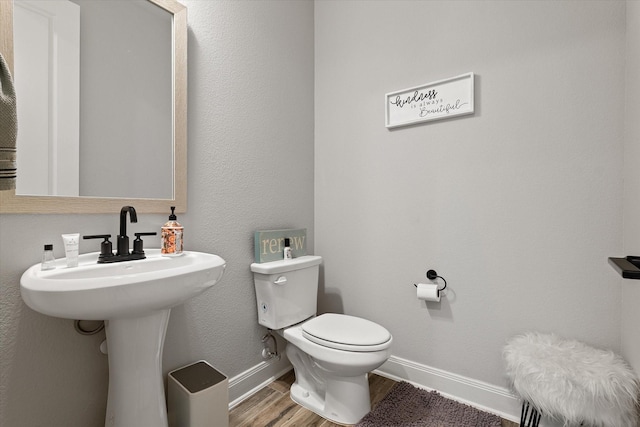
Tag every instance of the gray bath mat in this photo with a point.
(408, 406)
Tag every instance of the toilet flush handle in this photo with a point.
(280, 280)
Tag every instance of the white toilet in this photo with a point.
(331, 353)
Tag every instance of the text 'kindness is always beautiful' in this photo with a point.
(438, 100)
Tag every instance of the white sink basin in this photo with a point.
(134, 298)
(95, 291)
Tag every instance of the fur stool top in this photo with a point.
(572, 382)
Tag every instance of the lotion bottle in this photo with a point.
(171, 236)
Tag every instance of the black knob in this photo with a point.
(106, 248)
(138, 243)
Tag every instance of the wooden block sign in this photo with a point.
(269, 244)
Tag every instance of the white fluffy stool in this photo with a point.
(571, 382)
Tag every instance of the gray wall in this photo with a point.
(250, 167)
(517, 206)
(631, 237)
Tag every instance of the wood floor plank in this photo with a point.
(259, 403)
(281, 410)
(379, 387)
(283, 384)
(252, 401)
(272, 406)
(304, 417)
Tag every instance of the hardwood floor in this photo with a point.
(272, 407)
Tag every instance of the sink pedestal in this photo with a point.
(136, 386)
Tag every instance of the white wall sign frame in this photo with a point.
(433, 101)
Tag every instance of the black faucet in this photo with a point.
(123, 254)
(123, 239)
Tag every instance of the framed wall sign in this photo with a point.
(433, 101)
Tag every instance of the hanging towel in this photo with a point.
(8, 128)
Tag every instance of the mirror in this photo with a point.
(154, 113)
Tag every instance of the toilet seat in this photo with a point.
(343, 332)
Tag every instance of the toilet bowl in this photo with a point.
(331, 354)
(332, 382)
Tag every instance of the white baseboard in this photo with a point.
(249, 382)
(484, 396)
(481, 395)
(476, 393)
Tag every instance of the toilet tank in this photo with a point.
(286, 290)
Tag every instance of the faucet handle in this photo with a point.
(137, 243)
(97, 236)
(106, 248)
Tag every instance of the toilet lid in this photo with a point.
(344, 332)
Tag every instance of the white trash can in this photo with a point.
(198, 396)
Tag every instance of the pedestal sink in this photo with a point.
(134, 298)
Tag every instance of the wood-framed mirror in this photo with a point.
(175, 86)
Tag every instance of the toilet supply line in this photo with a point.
(267, 354)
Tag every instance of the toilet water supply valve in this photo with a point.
(267, 353)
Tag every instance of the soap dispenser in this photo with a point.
(171, 236)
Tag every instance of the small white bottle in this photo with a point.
(287, 249)
(48, 260)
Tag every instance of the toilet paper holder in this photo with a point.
(433, 275)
